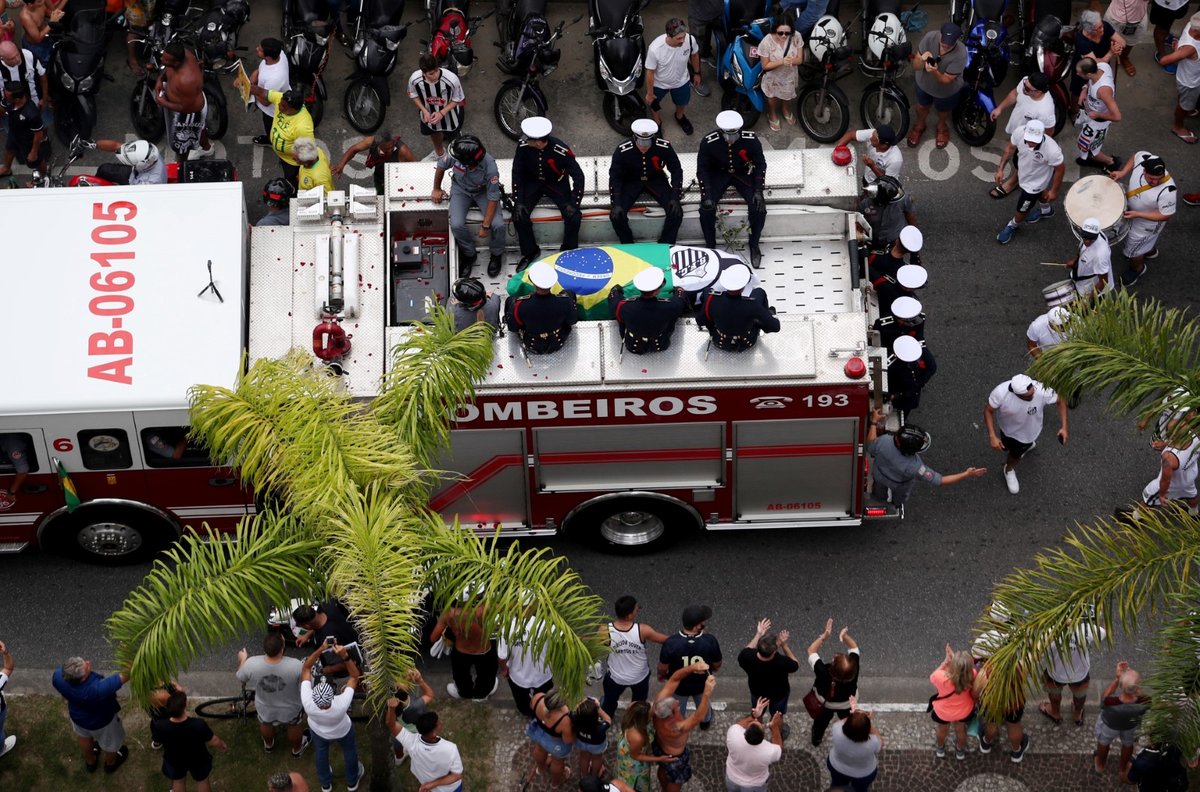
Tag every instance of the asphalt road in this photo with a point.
(904, 589)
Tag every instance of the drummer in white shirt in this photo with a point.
(1091, 268)
(1150, 201)
(1046, 331)
(1030, 100)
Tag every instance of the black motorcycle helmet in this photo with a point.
(278, 192)
(469, 292)
(887, 190)
(912, 439)
(468, 150)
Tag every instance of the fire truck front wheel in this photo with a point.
(108, 536)
(633, 523)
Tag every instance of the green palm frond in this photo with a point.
(373, 566)
(516, 587)
(204, 591)
(1174, 684)
(1139, 349)
(1118, 573)
(432, 371)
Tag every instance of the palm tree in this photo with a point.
(1120, 573)
(347, 485)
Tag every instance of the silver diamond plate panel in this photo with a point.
(577, 363)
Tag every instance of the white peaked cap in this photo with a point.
(912, 276)
(644, 127)
(735, 278)
(542, 275)
(912, 238)
(536, 127)
(906, 308)
(729, 121)
(649, 280)
(907, 349)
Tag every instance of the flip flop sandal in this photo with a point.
(791, 119)
(1046, 713)
(943, 138)
(774, 124)
(1189, 138)
(1130, 69)
(998, 192)
(914, 137)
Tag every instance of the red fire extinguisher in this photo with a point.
(329, 340)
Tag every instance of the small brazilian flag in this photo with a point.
(69, 492)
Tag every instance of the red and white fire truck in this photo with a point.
(151, 291)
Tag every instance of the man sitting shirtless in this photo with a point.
(180, 92)
(671, 730)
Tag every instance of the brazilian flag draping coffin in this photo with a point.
(592, 272)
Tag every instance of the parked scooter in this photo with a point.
(535, 56)
(883, 101)
(219, 32)
(451, 30)
(518, 24)
(618, 50)
(822, 106)
(307, 31)
(77, 68)
(1050, 51)
(377, 36)
(740, 71)
(987, 65)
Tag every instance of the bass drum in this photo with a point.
(1060, 293)
(1099, 197)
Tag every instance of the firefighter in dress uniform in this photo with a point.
(731, 157)
(910, 368)
(647, 322)
(544, 167)
(906, 319)
(640, 165)
(907, 281)
(734, 320)
(883, 268)
(542, 320)
(476, 183)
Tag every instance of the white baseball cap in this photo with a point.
(735, 278)
(1090, 228)
(907, 349)
(644, 127)
(1058, 315)
(542, 275)
(906, 308)
(729, 121)
(1035, 131)
(1020, 383)
(911, 238)
(987, 643)
(536, 127)
(912, 276)
(649, 280)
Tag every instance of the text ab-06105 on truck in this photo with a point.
(628, 451)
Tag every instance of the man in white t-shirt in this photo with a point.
(882, 157)
(1179, 461)
(272, 74)
(1151, 198)
(1163, 14)
(1068, 663)
(1030, 101)
(526, 672)
(1091, 267)
(329, 715)
(1046, 331)
(1040, 171)
(434, 762)
(667, 60)
(748, 763)
(1013, 415)
(1186, 58)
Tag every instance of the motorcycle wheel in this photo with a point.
(74, 116)
(513, 105)
(732, 100)
(363, 106)
(621, 111)
(145, 115)
(217, 120)
(973, 122)
(878, 106)
(824, 114)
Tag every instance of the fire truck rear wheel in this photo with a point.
(633, 524)
(108, 536)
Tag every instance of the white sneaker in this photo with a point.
(10, 742)
(1010, 478)
(452, 689)
(361, 772)
(201, 153)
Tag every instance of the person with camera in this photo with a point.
(329, 714)
(898, 464)
(938, 66)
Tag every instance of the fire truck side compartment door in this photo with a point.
(486, 479)
(604, 458)
(794, 469)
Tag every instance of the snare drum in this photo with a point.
(1059, 293)
(1099, 197)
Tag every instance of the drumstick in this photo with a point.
(1052, 264)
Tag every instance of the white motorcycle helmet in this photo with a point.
(141, 155)
(827, 35)
(885, 30)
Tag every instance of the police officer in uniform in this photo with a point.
(544, 166)
(731, 157)
(734, 320)
(542, 320)
(641, 165)
(476, 183)
(906, 319)
(910, 366)
(647, 322)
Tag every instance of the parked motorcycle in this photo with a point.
(149, 120)
(1050, 51)
(451, 30)
(377, 36)
(822, 106)
(77, 68)
(987, 65)
(888, 49)
(306, 31)
(219, 29)
(519, 25)
(740, 71)
(535, 56)
(618, 50)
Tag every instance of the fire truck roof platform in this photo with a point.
(115, 298)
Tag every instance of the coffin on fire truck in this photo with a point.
(629, 451)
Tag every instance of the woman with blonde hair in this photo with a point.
(633, 748)
(954, 702)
